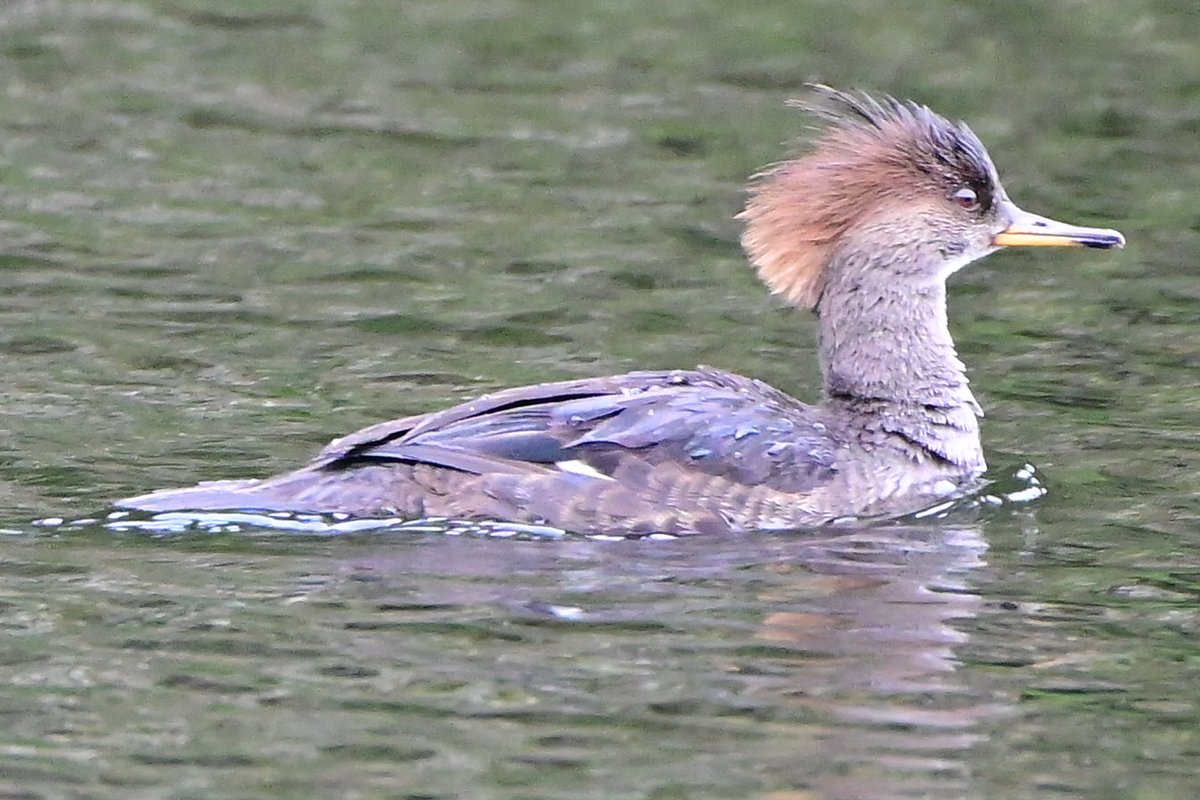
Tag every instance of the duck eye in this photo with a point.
(966, 198)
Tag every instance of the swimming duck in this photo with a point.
(863, 230)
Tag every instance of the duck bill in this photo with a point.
(1030, 230)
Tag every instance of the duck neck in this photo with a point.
(888, 360)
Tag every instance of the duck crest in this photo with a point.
(873, 153)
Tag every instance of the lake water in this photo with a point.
(234, 230)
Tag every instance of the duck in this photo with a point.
(862, 229)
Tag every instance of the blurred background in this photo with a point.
(230, 231)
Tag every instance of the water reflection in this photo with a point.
(836, 653)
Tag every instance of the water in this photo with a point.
(233, 231)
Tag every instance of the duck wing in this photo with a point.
(707, 421)
(677, 452)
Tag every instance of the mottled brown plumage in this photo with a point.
(864, 230)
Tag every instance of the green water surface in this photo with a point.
(230, 231)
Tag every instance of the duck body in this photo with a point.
(683, 451)
(863, 231)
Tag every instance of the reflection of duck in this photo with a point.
(864, 230)
(820, 666)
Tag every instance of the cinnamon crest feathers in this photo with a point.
(873, 153)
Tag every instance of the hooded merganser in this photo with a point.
(863, 230)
